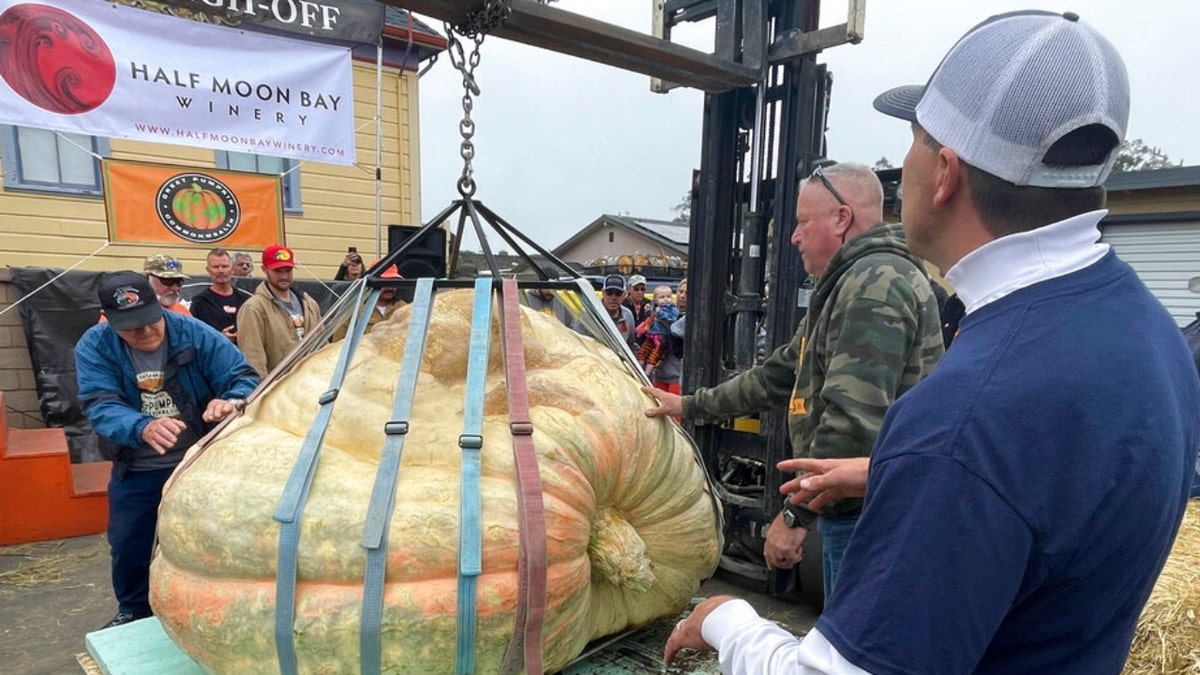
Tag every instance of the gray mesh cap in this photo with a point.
(1015, 85)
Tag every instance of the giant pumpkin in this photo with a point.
(630, 521)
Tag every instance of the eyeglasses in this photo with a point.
(168, 282)
(613, 291)
(819, 175)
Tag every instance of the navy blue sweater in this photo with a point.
(1024, 497)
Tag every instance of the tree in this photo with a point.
(683, 210)
(881, 164)
(1135, 155)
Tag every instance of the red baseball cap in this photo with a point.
(277, 256)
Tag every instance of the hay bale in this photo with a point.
(1167, 640)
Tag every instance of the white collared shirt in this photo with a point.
(1017, 261)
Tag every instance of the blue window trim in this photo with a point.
(291, 181)
(13, 180)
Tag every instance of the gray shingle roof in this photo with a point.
(667, 231)
(398, 18)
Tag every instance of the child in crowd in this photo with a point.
(655, 330)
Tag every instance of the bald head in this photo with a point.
(859, 186)
(835, 205)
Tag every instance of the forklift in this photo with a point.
(765, 109)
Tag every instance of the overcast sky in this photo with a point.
(561, 140)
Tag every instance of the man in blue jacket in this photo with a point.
(152, 383)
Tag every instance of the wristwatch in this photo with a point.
(239, 404)
(796, 517)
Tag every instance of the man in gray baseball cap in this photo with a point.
(613, 292)
(1022, 499)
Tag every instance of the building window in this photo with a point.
(611, 237)
(274, 166)
(48, 161)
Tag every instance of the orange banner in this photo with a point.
(152, 203)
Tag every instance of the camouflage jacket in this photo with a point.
(872, 331)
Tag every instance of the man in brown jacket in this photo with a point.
(274, 320)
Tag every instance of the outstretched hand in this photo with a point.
(668, 403)
(687, 632)
(821, 481)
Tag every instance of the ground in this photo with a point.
(53, 593)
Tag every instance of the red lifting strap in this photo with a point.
(531, 567)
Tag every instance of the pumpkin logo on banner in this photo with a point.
(198, 208)
(54, 60)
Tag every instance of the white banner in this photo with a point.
(109, 70)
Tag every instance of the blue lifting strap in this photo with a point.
(295, 493)
(383, 495)
(470, 547)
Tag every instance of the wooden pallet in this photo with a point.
(43, 496)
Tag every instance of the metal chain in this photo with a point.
(486, 19)
(477, 25)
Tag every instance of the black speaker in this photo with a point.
(426, 258)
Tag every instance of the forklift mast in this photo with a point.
(746, 282)
(765, 112)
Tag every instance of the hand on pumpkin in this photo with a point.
(822, 481)
(162, 432)
(687, 633)
(784, 545)
(668, 403)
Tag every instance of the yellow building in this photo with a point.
(52, 209)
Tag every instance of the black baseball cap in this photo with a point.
(128, 301)
(614, 282)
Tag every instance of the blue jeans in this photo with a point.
(835, 534)
(132, 517)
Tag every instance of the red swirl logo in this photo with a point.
(54, 60)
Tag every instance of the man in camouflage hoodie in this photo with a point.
(871, 332)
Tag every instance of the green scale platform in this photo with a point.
(142, 648)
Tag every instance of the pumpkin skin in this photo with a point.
(631, 528)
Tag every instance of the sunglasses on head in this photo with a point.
(819, 175)
(169, 282)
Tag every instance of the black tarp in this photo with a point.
(56, 316)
